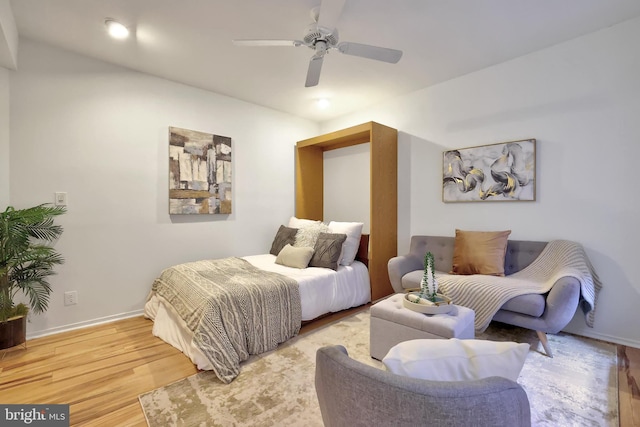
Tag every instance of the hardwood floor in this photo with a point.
(101, 370)
(629, 385)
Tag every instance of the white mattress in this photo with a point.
(321, 291)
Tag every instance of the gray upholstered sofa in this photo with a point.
(547, 313)
(351, 394)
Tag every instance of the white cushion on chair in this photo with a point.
(456, 360)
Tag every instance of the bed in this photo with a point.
(218, 317)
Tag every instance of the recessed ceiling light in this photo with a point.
(323, 103)
(116, 29)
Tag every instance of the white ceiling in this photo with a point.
(190, 41)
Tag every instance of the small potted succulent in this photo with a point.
(428, 300)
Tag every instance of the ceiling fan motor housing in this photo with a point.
(315, 33)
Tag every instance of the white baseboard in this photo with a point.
(113, 318)
(608, 338)
(84, 324)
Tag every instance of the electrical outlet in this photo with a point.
(70, 297)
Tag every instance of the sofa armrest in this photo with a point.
(401, 265)
(561, 304)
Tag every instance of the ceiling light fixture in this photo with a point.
(116, 29)
(323, 103)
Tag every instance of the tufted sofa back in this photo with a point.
(520, 253)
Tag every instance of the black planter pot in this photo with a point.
(13, 332)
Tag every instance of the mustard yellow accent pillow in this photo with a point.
(480, 252)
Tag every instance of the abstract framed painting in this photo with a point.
(494, 173)
(199, 173)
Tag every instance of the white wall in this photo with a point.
(100, 133)
(347, 194)
(581, 101)
(8, 37)
(4, 138)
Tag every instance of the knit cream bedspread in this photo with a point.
(233, 309)
(486, 294)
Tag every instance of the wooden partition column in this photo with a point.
(383, 175)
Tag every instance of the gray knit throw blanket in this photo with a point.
(233, 309)
(486, 294)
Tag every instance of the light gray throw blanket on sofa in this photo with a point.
(233, 309)
(486, 294)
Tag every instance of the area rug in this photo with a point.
(577, 387)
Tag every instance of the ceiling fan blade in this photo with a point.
(330, 11)
(258, 42)
(313, 73)
(372, 52)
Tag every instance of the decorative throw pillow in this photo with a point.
(456, 360)
(327, 251)
(353, 230)
(285, 235)
(307, 235)
(300, 222)
(294, 257)
(479, 252)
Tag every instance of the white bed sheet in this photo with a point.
(321, 291)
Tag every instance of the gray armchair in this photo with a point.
(351, 393)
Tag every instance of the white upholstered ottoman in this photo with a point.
(392, 323)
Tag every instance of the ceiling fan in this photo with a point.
(322, 37)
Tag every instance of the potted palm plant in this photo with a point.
(26, 262)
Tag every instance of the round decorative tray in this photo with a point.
(441, 306)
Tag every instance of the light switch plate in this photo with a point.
(61, 199)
